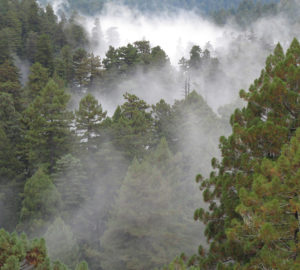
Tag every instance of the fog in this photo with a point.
(241, 54)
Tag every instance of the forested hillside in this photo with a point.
(204, 6)
(92, 181)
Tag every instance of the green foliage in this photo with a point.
(93, 7)
(132, 127)
(246, 12)
(9, 133)
(37, 80)
(44, 52)
(259, 131)
(9, 82)
(15, 250)
(48, 123)
(269, 211)
(40, 204)
(123, 62)
(148, 224)
(89, 119)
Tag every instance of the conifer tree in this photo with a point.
(270, 212)
(88, 121)
(133, 127)
(44, 53)
(48, 123)
(37, 80)
(81, 69)
(259, 131)
(148, 224)
(10, 83)
(40, 204)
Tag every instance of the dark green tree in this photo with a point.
(270, 212)
(133, 129)
(48, 127)
(40, 204)
(89, 118)
(10, 83)
(259, 131)
(37, 80)
(44, 52)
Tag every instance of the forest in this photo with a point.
(126, 161)
(201, 6)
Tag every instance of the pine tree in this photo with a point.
(149, 225)
(259, 131)
(95, 69)
(44, 53)
(10, 83)
(17, 252)
(33, 20)
(37, 80)
(48, 123)
(81, 69)
(10, 127)
(133, 127)
(89, 118)
(40, 204)
(269, 228)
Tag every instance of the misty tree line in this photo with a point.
(243, 11)
(118, 191)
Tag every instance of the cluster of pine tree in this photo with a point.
(253, 221)
(89, 184)
(92, 7)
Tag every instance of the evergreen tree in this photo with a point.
(95, 69)
(44, 53)
(81, 68)
(33, 20)
(133, 127)
(195, 57)
(40, 204)
(148, 226)
(37, 80)
(259, 131)
(89, 118)
(10, 137)
(269, 228)
(67, 69)
(10, 83)
(17, 252)
(48, 123)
